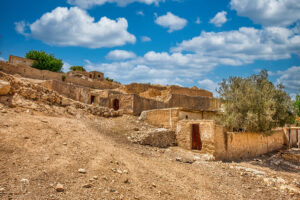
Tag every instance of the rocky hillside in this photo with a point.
(55, 148)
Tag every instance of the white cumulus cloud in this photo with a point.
(290, 79)
(208, 84)
(120, 55)
(145, 39)
(171, 21)
(245, 45)
(74, 27)
(268, 12)
(219, 19)
(91, 3)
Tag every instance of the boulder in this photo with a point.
(4, 87)
(159, 137)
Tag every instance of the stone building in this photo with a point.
(15, 60)
(207, 137)
(87, 75)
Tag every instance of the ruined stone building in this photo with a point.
(92, 88)
(188, 112)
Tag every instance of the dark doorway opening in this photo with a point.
(116, 104)
(196, 139)
(92, 99)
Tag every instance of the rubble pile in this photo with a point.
(17, 92)
(158, 137)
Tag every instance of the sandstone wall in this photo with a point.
(228, 145)
(194, 103)
(189, 91)
(71, 91)
(141, 104)
(244, 145)
(137, 88)
(207, 134)
(29, 72)
(20, 61)
(166, 118)
(169, 117)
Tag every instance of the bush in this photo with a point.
(63, 78)
(45, 61)
(254, 104)
(77, 68)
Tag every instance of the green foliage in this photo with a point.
(77, 68)
(45, 61)
(297, 105)
(254, 104)
(63, 78)
(112, 80)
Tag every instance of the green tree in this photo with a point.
(254, 104)
(45, 61)
(297, 104)
(77, 68)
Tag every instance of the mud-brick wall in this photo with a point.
(244, 145)
(207, 131)
(166, 118)
(29, 72)
(141, 104)
(74, 92)
(189, 91)
(20, 61)
(192, 103)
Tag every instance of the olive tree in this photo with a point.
(254, 104)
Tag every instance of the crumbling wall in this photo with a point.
(167, 118)
(137, 88)
(189, 91)
(20, 61)
(141, 104)
(29, 72)
(193, 103)
(74, 92)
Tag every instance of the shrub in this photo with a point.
(63, 78)
(45, 61)
(77, 68)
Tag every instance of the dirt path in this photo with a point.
(37, 152)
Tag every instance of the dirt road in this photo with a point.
(38, 152)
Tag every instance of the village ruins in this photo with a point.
(188, 112)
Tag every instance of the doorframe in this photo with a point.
(199, 137)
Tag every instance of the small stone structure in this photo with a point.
(209, 138)
(15, 60)
(87, 75)
(169, 117)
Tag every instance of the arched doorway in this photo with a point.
(116, 104)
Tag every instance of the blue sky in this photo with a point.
(184, 42)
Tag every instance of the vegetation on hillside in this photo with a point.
(112, 80)
(45, 61)
(254, 104)
(78, 68)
